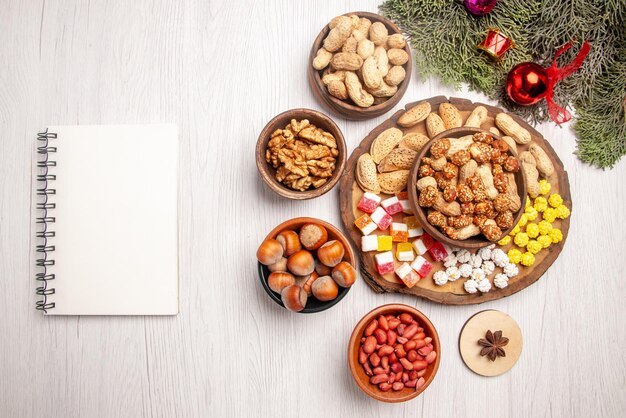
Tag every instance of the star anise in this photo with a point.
(492, 345)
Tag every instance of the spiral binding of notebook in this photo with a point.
(44, 206)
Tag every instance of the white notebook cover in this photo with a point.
(116, 220)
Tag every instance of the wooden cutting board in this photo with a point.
(453, 292)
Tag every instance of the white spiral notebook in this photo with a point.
(107, 220)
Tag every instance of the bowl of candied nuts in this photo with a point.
(394, 353)
(300, 154)
(466, 188)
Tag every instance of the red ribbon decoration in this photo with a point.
(556, 74)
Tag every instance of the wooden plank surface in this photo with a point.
(220, 70)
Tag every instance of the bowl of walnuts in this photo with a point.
(466, 188)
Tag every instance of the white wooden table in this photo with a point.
(220, 70)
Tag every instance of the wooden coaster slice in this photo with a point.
(475, 328)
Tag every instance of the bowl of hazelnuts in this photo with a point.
(466, 188)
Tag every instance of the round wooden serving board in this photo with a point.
(452, 292)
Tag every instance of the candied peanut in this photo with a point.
(427, 197)
(461, 221)
(449, 194)
(505, 219)
(482, 137)
(497, 169)
(511, 164)
(473, 182)
(425, 170)
(461, 157)
(436, 218)
(479, 220)
(480, 194)
(501, 202)
(491, 232)
(464, 194)
(500, 182)
(450, 171)
(451, 232)
(500, 145)
(480, 152)
(467, 208)
(442, 181)
(440, 147)
(483, 208)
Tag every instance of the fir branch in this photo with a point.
(444, 37)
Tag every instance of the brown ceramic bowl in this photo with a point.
(358, 373)
(267, 172)
(346, 108)
(477, 241)
(312, 305)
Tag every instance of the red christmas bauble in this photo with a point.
(527, 83)
(479, 7)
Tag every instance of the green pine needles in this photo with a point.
(444, 36)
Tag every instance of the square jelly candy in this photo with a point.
(439, 251)
(369, 243)
(404, 252)
(415, 229)
(384, 262)
(381, 218)
(392, 205)
(384, 243)
(399, 232)
(365, 224)
(408, 276)
(423, 244)
(369, 202)
(421, 266)
(403, 198)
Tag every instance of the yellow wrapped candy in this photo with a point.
(555, 200)
(544, 186)
(544, 240)
(533, 246)
(505, 240)
(515, 256)
(555, 235)
(532, 230)
(521, 239)
(515, 231)
(562, 212)
(531, 213)
(523, 220)
(541, 204)
(544, 227)
(527, 259)
(549, 215)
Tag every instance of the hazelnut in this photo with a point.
(279, 280)
(270, 252)
(308, 282)
(290, 241)
(294, 298)
(313, 236)
(280, 265)
(440, 147)
(331, 253)
(301, 263)
(436, 218)
(325, 289)
(344, 274)
(322, 269)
